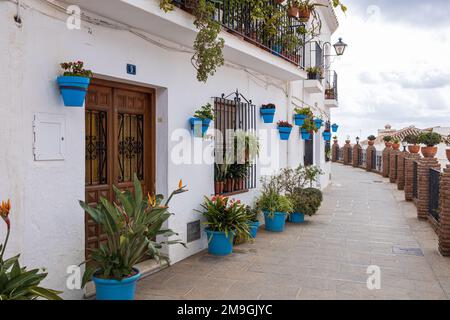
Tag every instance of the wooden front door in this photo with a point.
(120, 141)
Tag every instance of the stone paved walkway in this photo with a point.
(363, 217)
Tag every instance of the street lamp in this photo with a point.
(340, 47)
(404, 144)
(357, 140)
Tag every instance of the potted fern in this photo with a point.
(131, 224)
(74, 83)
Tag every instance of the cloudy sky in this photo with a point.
(397, 67)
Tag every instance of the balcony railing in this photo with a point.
(237, 20)
(331, 85)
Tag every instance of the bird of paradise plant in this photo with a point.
(16, 283)
(131, 225)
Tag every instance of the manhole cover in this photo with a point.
(408, 251)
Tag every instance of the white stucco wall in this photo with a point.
(48, 223)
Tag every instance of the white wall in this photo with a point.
(48, 223)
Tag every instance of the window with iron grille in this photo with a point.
(233, 115)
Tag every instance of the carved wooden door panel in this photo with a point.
(120, 134)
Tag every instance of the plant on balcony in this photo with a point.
(202, 119)
(301, 114)
(224, 219)
(74, 82)
(430, 140)
(330, 94)
(268, 112)
(220, 174)
(285, 129)
(16, 283)
(131, 225)
(314, 73)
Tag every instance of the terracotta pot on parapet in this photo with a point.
(429, 152)
(415, 149)
(396, 146)
(347, 141)
(371, 143)
(388, 144)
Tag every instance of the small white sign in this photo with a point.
(49, 137)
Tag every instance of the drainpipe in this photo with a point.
(288, 116)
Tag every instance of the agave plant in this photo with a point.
(131, 226)
(16, 283)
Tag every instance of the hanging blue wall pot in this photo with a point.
(318, 123)
(73, 90)
(327, 136)
(218, 243)
(268, 115)
(199, 126)
(275, 222)
(285, 133)
(108, 289)
(335, 127)
(306, 135)
(299, 119)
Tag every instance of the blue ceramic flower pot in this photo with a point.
(254, 226)
(277, 49)
(306, 135)
(327, 136)
(218, 243)
(73, 90)
(318, 123)
(199, 126)
(297, 217)
(335, 128)
(299, 119)
(275, 222)
(107, 289)
(285, 133)
(268, 115)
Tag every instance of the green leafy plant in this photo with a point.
(246, 146)
(75, 69)
(430, 139)
(239, 171)
(371, 138)
(205, 112)
(306, 201)
(306, 111)
(387, 139)
(271, 198)
(309, 125)
(131, 225)
(225, 215)
(412, 139)
(220, 172)
(312, 173)
(16, 282)
(396, 140)
(291, 179)
(313, 72)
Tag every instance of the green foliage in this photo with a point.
(246, 146)
(271, 198)
(225, 215)
(396, 140)
(205, 112)
(312, 173)
(291, 179)
(430, 139)
(166, 5)
(387, 139)
(221, 172)
(75, 69)
(306, 111)
(309, 125)
(252, 213)
(412, 139)
(131, 225)
(313, 72)
(306, 201)
(239, 171)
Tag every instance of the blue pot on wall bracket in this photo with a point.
(299, 119)
(306, 135)
(335, 128)
(285, 133)
(327, 136)
(73, 90)
(318, 123)
(268, 115)
(199, 126)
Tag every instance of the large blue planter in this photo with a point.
(197, 123)
(285, 133)
(254, 226)
(318, 123)
(306, 135)
(73, 90)
(327, 136)
(297, 217)
(268, 115)
(218, 243)
(116, 290)
(299, 119)
(275, 222)
(335, 128)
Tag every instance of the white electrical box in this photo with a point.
(49, 137)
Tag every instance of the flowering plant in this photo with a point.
(75, 69)
(131, 225)
(284, 124)
(16, 283)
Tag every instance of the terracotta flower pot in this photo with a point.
(347, 141)
(371, 142)
(448, 154)
(388, 144)
(414, 149)
(219, 186)
(304, 14)
(429, 152)
(238, 184)
(396, 146)
(229, 185)
(292, 12)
